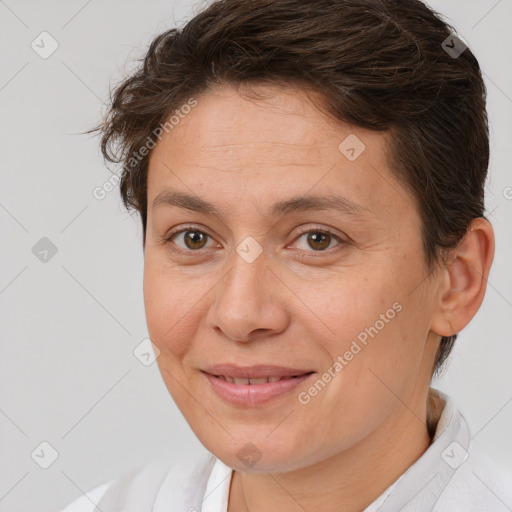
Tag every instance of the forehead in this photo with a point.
(276, 121)
(231, 145)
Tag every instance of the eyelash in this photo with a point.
(301, 252)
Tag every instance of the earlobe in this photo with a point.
(464, 279)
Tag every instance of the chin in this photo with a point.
(274, 463)
(248, 454)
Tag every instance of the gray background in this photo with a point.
(69, 325)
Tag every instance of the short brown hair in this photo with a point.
(378, 64)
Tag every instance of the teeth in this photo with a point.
(263, 380)
(245, 382)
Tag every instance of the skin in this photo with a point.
(207, 305)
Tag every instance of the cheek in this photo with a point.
(172, 307)
(378, 347)
(352, 306)
(372, 321)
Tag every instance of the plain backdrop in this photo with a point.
(71, 320)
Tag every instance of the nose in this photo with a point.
(250, 303)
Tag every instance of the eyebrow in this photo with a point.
(281, 208)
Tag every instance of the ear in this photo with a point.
(463, 279)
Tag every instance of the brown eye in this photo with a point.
(195, 239)
(189, 239)
(318, 241)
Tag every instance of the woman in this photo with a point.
(310, 179)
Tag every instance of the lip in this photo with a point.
(255, 372)
(254, 394)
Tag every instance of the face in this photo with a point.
(278, 248)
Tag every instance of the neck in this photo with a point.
(350, 480)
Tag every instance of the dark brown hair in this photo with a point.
(378, 64)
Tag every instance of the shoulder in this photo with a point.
(478, 484)
(143, 488)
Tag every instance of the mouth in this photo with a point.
(241, 381)
(255, 385)
(255, 374)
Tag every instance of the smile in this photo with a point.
(245, 382)
(255, 385)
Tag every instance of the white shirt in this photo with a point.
(453, 475)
